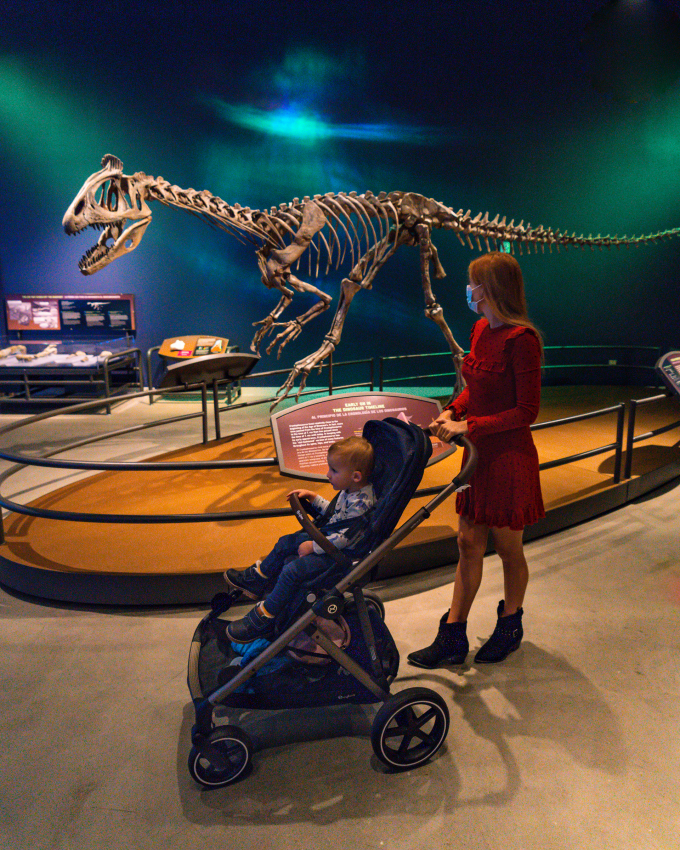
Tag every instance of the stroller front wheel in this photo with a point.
(222, 758)
(409, 728)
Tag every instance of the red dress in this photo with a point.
(501, 399)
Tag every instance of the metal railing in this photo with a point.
(21, 461)
(617, 445)
(646, 350)
(632, 438)
(45, 459)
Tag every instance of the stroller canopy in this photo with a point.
(402, 451)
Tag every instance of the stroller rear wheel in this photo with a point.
(224, 757)
(409, 728)
(373, 602)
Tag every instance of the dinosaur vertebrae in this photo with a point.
(359, 224)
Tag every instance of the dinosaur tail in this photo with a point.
(497, 234)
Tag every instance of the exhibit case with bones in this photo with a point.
(63, 349)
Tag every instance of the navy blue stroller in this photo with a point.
(412, 724)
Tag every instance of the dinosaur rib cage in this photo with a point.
(365, 227)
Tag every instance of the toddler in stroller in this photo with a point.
(297, 559)
(412, 724)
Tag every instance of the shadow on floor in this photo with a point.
(316, 765)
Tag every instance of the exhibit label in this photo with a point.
(303, 434)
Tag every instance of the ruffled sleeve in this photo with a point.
(525, 363)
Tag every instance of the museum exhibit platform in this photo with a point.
(182, 561)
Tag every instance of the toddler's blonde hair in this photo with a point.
(356, 453)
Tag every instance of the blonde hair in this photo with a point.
(500, 277)
(356, 453)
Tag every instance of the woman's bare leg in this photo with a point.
(472, 539)
(510, 549)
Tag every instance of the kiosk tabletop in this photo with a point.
(209, 368)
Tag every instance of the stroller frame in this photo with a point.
(209, 743)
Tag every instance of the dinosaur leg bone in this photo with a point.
(269, 321)
(433, 310)
(293, 328)
(275, 268)
(359, 278)
(348, 289)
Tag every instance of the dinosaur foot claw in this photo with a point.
(302, 368)
(291, 330)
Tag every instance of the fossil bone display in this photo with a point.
(363, 230)
(13, 349)
(46, 352)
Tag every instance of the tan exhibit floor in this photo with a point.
(205, 547)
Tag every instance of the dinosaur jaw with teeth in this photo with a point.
(125, 239)
(114, 203)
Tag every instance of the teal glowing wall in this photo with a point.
(497, 106)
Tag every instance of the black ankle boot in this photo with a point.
(505, 639)
(450, 646)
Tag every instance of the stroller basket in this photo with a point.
(411, 725)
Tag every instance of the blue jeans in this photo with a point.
(290, 576)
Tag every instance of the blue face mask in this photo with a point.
(473, 305)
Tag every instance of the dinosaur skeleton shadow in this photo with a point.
(364, 229)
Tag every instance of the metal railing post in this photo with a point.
(629, 439)
(204, 407)
(216, 408)
(619, 442)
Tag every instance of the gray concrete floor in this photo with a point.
(570, 743)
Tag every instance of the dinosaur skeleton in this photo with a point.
(365, 230)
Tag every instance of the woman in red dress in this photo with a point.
(496, 408)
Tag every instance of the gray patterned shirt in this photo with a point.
(348, 506)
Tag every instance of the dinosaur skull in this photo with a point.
(114, 203)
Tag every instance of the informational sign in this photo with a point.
(668, 367)
(77, 314)
(303, 434)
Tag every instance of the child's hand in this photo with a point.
(304, 494)
(305, 548)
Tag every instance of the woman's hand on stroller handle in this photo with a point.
(447, 428)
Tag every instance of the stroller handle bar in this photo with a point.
(460, 482)
(315, 534)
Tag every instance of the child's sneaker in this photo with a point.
(249, 581)
(253, 626)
